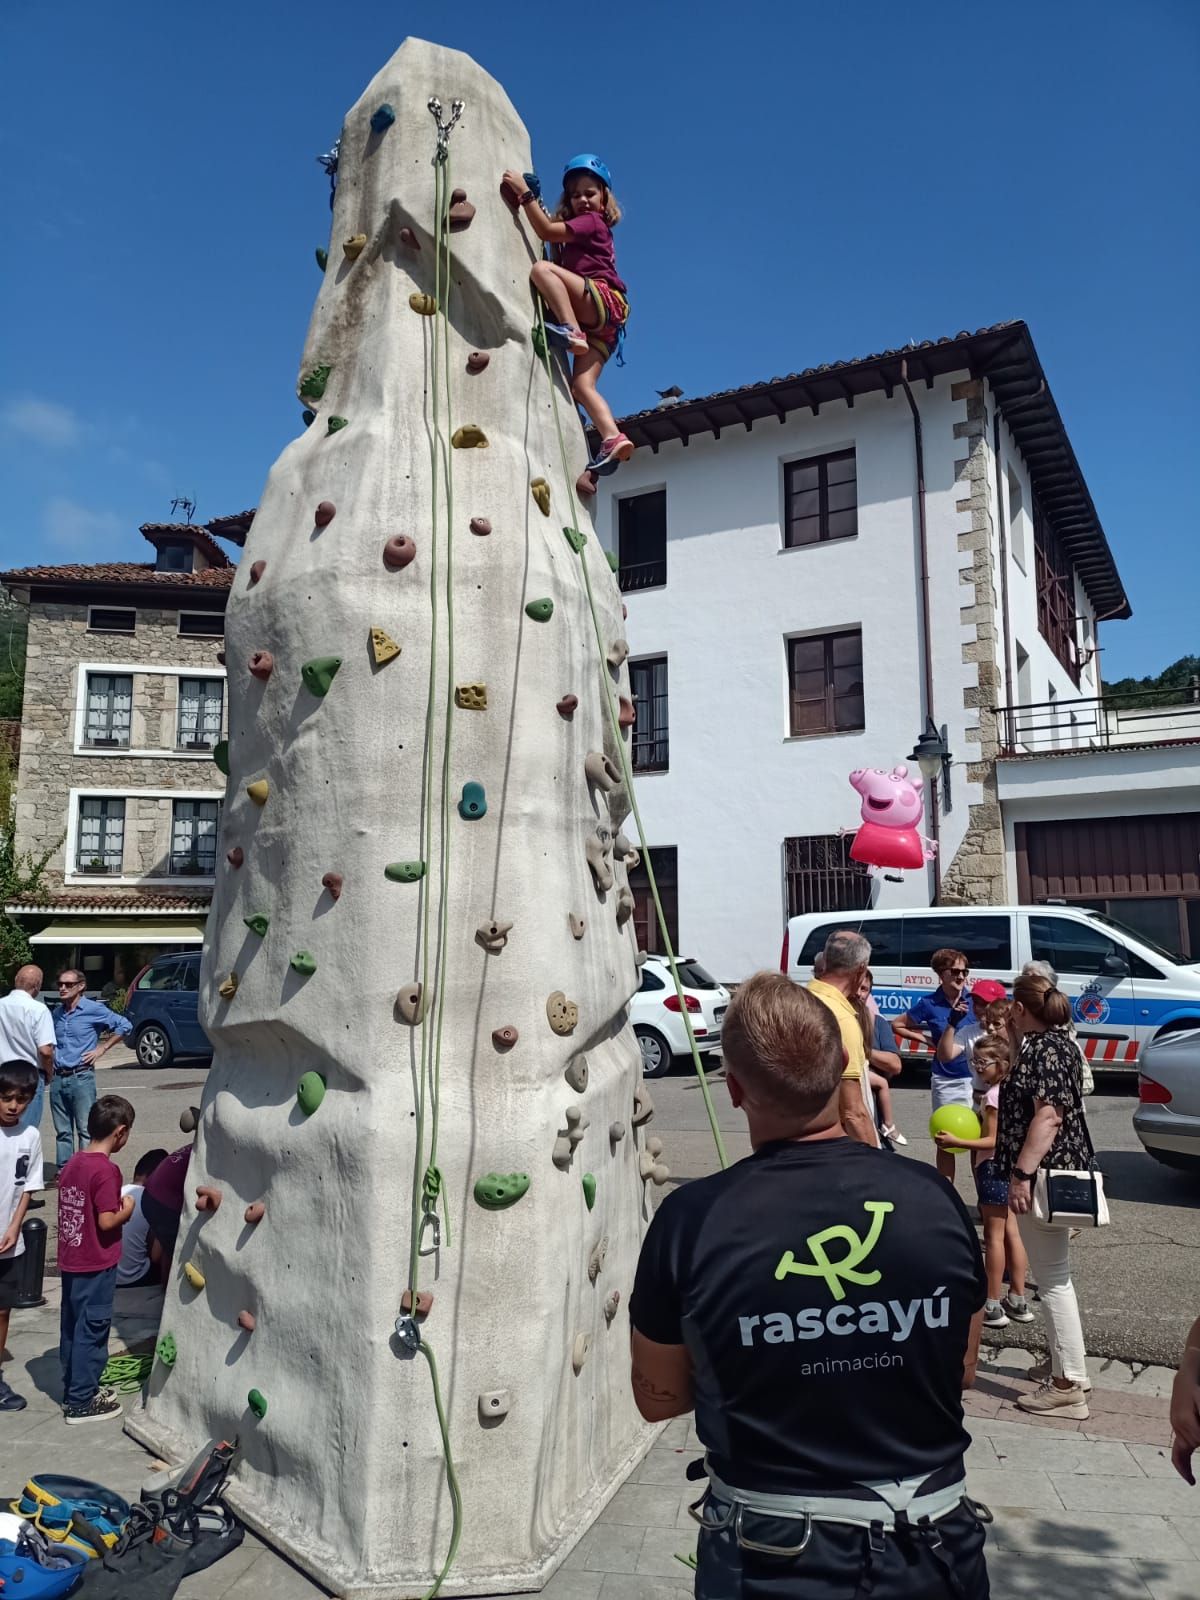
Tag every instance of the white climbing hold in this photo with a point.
(611, 1304)
(494, 1404)
(643, 1106)
(579, 1351)
(596, 1259)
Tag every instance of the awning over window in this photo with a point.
(120, 930)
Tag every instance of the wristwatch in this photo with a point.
(1023, 1177)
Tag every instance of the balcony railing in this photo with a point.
(1105, 722)
(642, 575)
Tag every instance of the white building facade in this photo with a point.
(774, 543)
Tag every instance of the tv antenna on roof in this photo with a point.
(182, 503)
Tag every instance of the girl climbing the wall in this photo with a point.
(580, 285)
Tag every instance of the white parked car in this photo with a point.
(658, 1019)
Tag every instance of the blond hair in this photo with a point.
(783, 1044)
(1042, 1000)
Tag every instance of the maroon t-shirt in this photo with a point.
(166, 1183)
(89, 1184)
(588, 249)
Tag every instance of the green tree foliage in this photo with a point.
(19, 874)
(14, 630)
(1177, 678)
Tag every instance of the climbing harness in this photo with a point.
(330, 163)
(613, 709)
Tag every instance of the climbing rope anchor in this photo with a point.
(444, 129)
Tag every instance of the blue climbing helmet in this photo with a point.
(588, 163)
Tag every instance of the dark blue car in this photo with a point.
(162, 1005)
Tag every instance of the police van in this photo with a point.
(1124, 989)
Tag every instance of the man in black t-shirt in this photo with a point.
(818, 1304)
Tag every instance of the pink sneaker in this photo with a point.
(577, 342)
(618, 448)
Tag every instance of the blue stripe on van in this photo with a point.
(1140, 1013)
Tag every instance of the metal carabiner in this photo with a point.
(429, 1220)
(772, 1549)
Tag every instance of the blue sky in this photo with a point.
(803, 182)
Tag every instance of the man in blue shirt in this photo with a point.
(946, 1010)
(78, 1024)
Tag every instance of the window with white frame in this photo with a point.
(200, 705)
(109, 710)
(101, 839)
(194, 825)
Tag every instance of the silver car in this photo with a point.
(1167, 1119)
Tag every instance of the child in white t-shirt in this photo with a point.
(134, 1267)
(20, 1176)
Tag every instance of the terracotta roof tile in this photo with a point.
(108, 574)
(200, 537)
(117, 900)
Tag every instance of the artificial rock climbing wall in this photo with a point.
(349, 831)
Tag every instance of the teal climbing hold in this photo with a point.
(473, 804)
(304, 963)
(319, 673)
(575, 539)
(540, 610)
(589, 1189)
(382, 119)
(334, 424)
(220, 755)
(313, 386)
(613, 559)
(310, 1091)
(308, 417)
(322, 258)
(257, 923)
(166, 1350)
(500, 1189)
(257, 1401)
(404, 871)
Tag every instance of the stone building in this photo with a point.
(124, 702)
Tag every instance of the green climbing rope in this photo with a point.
(626, 771)
(126, 1374)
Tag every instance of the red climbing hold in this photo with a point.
(462, 212)
(628, 715)
(247, 1320)
(398, 552)
(207, 1199)
(236, 856)
(325, 513)
(262, 663)
(424, 1301)
(481, 526)
(333, 882)
(257, 568)
(566, 706)
(477, 360)
(408, 237)
(256, 1212)
(504, 1038)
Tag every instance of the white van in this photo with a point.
(1124, 989)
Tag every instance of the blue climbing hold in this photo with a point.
(533, 183)
(383, 119)
(308, 417)
(473, 804)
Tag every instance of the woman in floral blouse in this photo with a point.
(1041, 1125)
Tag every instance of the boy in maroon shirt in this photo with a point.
(91, 1214)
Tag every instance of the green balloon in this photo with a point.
(959, 1121)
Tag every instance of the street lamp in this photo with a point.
(932, 755)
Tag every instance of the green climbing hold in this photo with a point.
(304, 963)
(308, 417)
(575, 539)
(404, 871)
(500, 1189)
(538, 340)
(322, 258)
(220, 754)
(473, 804)
(166, 1350)
(319, 673)
(257, 1401)
(313, 387)
(589, 1189)
(310, 1091)
(613, 559)
(335, 424)
(257, 923)
(540, 610)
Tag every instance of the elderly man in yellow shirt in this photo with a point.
(841, 966)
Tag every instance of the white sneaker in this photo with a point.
(1017, 1307)
(893, 1133)
(1040, 1372)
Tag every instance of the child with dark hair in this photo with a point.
(20, 1176)
(135, 1268)
(91, 1215)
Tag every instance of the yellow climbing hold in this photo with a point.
(469, 437)
(471, 696)
(193, 1275)
(383, 647)
(229, 987)
(423, 304)
(258, 791)
(353, 247)
(541, 494)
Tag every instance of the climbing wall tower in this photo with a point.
(421, 948)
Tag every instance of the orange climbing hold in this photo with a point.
(628, 714)
(261, 664)
(256, 1211)
(424, 1301)
(247, 1321)
(207, 1199)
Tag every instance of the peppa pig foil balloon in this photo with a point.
(892, 808)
